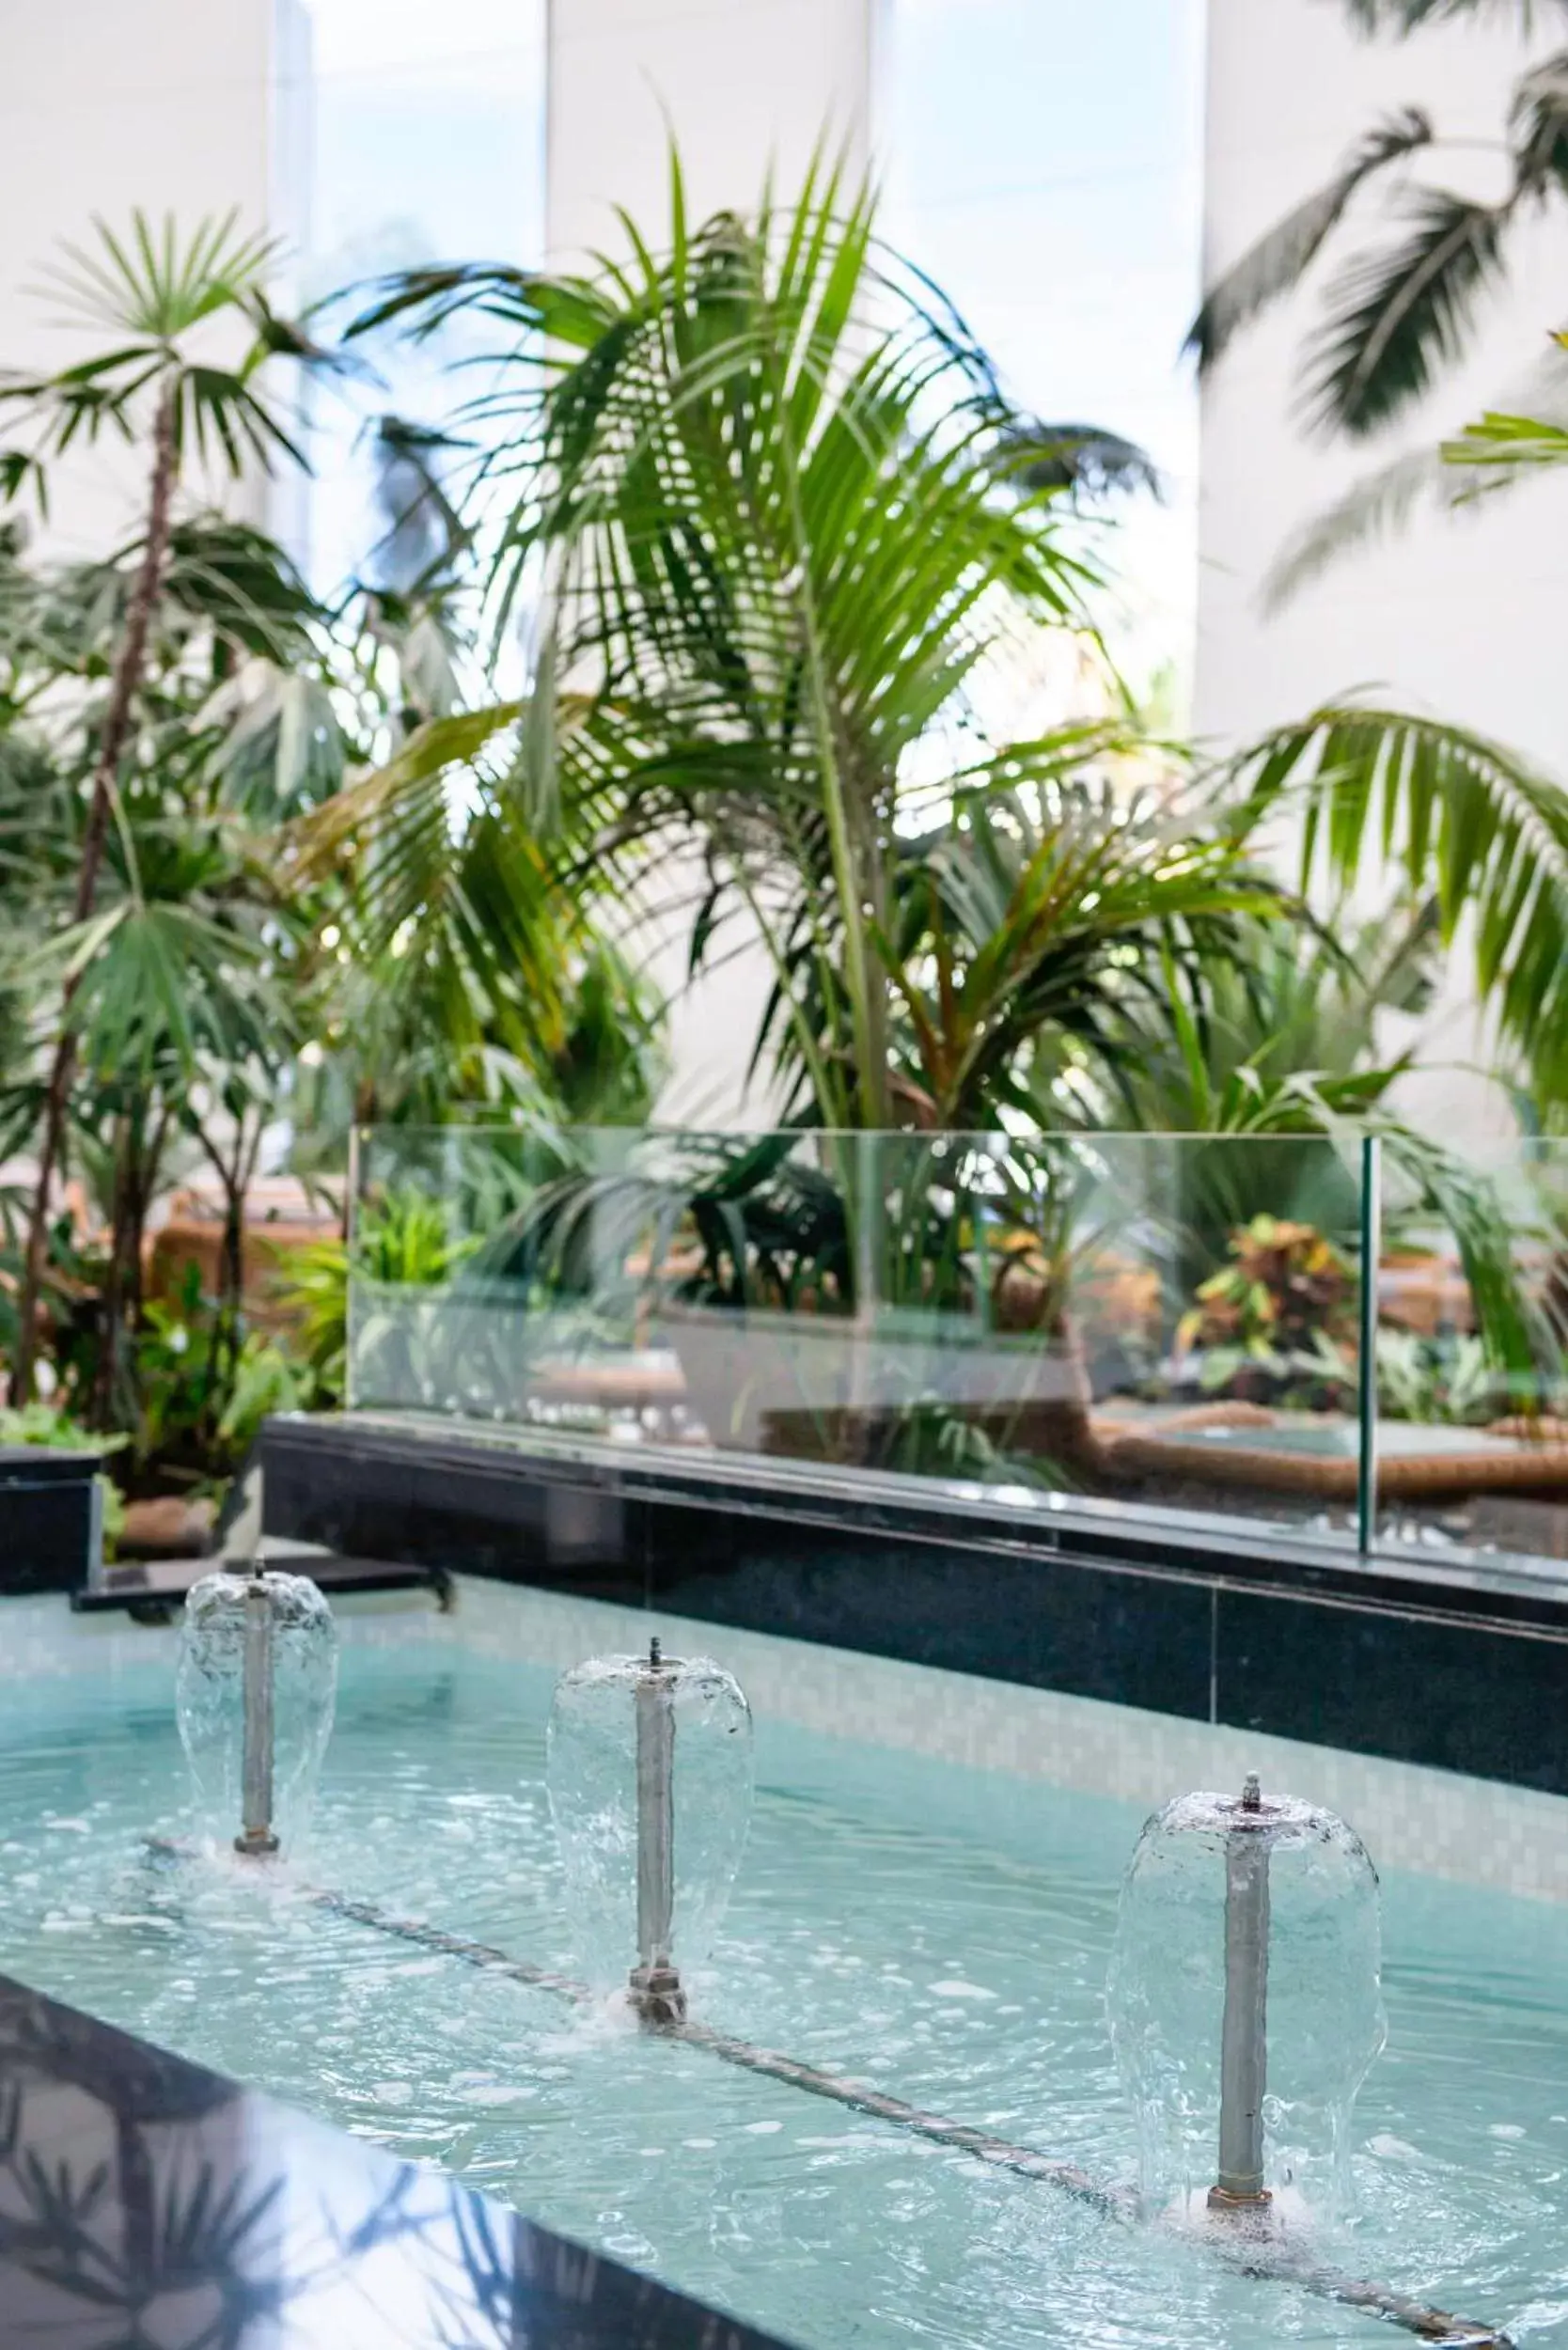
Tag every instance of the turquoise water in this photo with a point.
(940, 1932)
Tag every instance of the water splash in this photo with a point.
(592, 1773)
(210, 1705)
(1324, 2016)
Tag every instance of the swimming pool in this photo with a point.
(927, 1903)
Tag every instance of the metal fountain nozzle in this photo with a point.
(256, 1838)
(655, 1985)
(1244, 2044)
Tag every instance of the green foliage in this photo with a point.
(205, 1388)
(402, 1238)
(159, 297)
(1281, 1310)
(1469, 823)
(213, 980)
(1447, 1382)
(783, 516)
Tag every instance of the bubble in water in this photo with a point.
(210, 1701)
(592, 1776)
(1314, 1914)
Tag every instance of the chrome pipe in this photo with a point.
(256, 1837)
(655, 1983)
(1244, 2033)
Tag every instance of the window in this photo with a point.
(1043, 164)
(420, 136)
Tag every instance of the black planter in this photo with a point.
(51, 1519)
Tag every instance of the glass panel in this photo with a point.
(1165, 1321)
(1472, 1372)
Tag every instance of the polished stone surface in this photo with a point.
(1439, 1658)
(147, 2205)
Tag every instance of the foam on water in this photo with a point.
(882, 1895)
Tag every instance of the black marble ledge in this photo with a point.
(1456, 1662)
(146, 2203)
(472, 1498)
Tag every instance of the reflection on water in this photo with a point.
(939, 1932)
(145, 2203)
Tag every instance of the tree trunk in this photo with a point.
(111, 1312)
(125, 682)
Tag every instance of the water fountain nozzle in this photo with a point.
(649, 1777)
(654, 1983)
(255, 1694)
(1243, 2030)
(257, 1839)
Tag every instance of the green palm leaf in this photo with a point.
(1469, 823)
(783, 517)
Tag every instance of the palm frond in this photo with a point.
(151, 283)
(1275, 265)
(1075, 457)
(1471, 825)
(1397, 318)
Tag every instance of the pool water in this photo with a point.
(939, 1930)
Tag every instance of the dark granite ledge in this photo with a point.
(145, 2200)
(1457, 1662)
(418, 1460)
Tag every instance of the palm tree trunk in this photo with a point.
(126, 681)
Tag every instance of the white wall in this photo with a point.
(1459, 618)
(745, 85)
(742, 84)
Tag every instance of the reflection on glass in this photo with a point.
(1472, 1363)
(1170, 1320)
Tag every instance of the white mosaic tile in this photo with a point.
(1473, 1831)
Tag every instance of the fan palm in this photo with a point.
(781, 525)
(1401, 312)
(162, 301)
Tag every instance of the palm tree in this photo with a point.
(1401, 311)
(779, 525)
(162, 300)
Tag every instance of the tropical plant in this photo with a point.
(174, 977)
(1274, 1319)
(204, 1383)
(1468, 824)
(1400, 312)
(181, 1013)
(402, 1238)
(781, 529)
(1447, 1382)
(158, 382)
